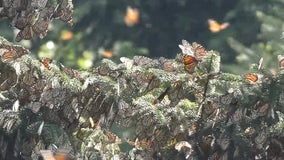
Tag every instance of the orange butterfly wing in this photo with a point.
(46, 63)
(189, 63)
(215, 26)
(131, 17)
(252, 78)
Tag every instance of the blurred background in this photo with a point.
(242, 31)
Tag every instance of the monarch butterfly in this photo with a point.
(112, 137)
(252, 78)
(189, 63)
(107, 53)
(145, 62)
(199, 51)
(196, 50)
(46, 63)
(12, 52)
(40, 28)
(66, 35)
(131, 17)
(192, 54)
(215, 26)
(8, 56)
(26, 34)
(64, 11)
(21, 22)
(49, 155)
(186, 48)
(262, 109)
(153, 82)
(141, 145)
(166, 64)
(176, 92)
(93, 123)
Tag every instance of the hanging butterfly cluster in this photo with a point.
(33, 18)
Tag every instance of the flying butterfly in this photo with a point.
(216, 27)
(66, 35)
(131, 17)
(107, 53)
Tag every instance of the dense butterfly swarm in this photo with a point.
(32, 17)
(182, 108)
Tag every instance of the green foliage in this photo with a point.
(266, 43)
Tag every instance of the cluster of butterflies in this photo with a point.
(34, 18)
(113, 138)
(11, 52)
(192, 54)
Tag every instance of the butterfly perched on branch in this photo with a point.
(11, 52)
(192, 54)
